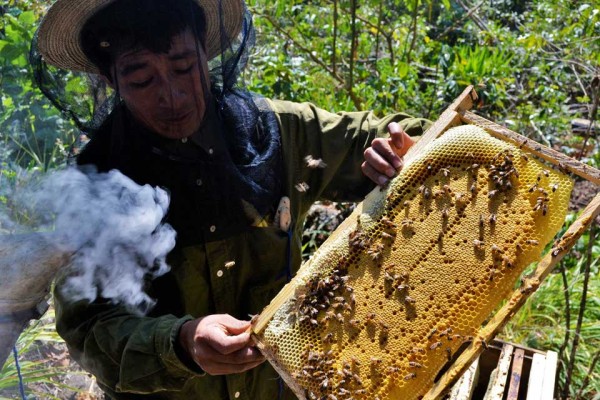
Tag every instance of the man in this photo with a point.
(227, 158)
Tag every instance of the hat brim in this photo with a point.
(59, 39)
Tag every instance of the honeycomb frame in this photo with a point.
(333, 288)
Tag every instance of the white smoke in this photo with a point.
(111, 225)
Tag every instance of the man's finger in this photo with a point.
(384, 148)
(373, 175)
(400, 139)
(379, 163)
(224, 343)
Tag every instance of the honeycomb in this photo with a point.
(392, 295)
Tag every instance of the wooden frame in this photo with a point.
(458, 114)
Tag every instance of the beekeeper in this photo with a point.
(242, 172)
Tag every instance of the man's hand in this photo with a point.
(384, 158)
(220, 344)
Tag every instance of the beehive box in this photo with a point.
(508, 371)
(417, 269)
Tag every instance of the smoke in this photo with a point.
(111, 225)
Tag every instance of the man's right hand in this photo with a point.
(220, 344)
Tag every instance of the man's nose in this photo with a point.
(170, 94)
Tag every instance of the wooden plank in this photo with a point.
(549, 375)
(536, 377)
(464, 388)
(497, 384)
(564, 162)
(515, 375)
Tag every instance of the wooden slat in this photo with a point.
(536, 377)
(497, 385)
(549, 375)
(564, 162)
(515, 375)
(464, 388)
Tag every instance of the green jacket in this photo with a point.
(137, 357)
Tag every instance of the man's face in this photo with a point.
(164, 91)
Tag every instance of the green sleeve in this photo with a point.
(339, 140)
(126, 352)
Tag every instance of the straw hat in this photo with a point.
(60, 45)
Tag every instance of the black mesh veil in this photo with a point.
(251, 132)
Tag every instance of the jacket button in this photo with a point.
(184, 140)
(236, 395)
(213, 228)
(198, 182)
(220, 273)
(210, 151)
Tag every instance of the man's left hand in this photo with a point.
(383, 159)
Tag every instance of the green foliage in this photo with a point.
(33, 134)
(35, 370)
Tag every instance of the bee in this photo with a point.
(433, 331)
(449, 353)
(406, 204)
(393, 370)
(388, 236)
(456, 337)
(473, 188)
(496, 249)
(523, 144)
(360, 391)
(328, 338)
(401, 287)
(492, 193)
(354, 323)
(314, 163)
(407, 223)
(388, 223)
(445, 172)
(492, 219)
(416, 350)
(507, 262)
(473, 167)
(435, 345)
(427, 193)
(445, 332)
(414, 364)
(478, 244)
(375, 361)
(524, 157)
(481, 222)
(410, 300)
(554, 187)
(532, 242)
(445, 213)
(302, 187)
(533, 187)
(410, 376)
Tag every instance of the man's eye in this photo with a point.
(142, 84)
(185, 70)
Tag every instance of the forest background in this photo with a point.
(535, 64)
